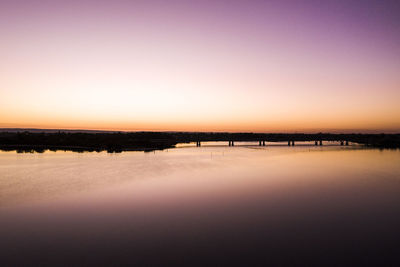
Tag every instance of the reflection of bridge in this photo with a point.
(379, 140)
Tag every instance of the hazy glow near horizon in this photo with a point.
(200, 65)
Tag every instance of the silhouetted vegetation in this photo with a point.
(26, 141)
(79, 142)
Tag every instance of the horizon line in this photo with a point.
(4, 129)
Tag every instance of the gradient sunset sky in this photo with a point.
(260, 66)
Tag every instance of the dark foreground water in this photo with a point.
(208, 206)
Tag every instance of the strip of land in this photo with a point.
(39, 141)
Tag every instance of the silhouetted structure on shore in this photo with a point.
(148, 141)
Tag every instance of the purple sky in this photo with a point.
(201, 65)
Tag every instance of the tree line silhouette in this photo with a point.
(148, 141)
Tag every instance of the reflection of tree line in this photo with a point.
(148, 141)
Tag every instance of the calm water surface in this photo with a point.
(213, 205)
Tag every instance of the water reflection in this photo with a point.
(206, 205)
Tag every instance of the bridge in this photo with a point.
(379, 140)
(263, 143)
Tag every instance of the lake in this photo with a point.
(212, 205)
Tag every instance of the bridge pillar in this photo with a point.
(292, 143)
(347, 143)
(230, 143)
(341, 143)
(263, 143)
(288, 143)
(320, 142)
(259, 143)
(316, 143)
(198, 143)
(233, 143)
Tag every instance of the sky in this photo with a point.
(240, 66)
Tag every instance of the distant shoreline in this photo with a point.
(150, 141)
